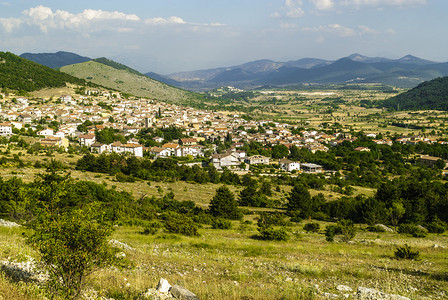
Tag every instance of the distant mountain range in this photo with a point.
(408, 72)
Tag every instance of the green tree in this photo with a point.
(72, 241)
(396, 212)
(300, 201)
(224, 205)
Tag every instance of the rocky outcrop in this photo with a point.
(372, 294)
(9, 224)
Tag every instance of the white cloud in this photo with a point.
(290, 9)
(10, 23)
(400, 3)
(284, 25)
(162, 21)
(46, 19)
(332, 29)
(294, 8)
(5, 3)
(339, 30)
(323, 4)
(366, 30)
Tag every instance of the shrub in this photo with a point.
(272, 234)
(72, 246)
(348, 231)
(436, 226)
(344, 228)
(405, 252)
(311, 227)
(220, 223)
(375, 228)
(330, 232)
(178, 223)
(413, 230)
(120, 177)
(152, 228)
(272, 219)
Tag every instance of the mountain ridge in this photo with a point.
(55, 60)
(407, 71)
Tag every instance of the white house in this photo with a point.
(46, 132)
(99, 148)
(5, 128)
(159, 152)
(289, 165)
(228, 160)
(86, 139)
(135, 149)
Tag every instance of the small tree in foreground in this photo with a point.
(72, 246)
(72, 241)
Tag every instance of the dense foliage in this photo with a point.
(431, 94)
(20, 74)
(162, 169)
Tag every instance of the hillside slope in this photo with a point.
(119, 77)
(55, 60)
(18, 73)
(431, 94)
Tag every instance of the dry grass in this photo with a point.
(229, 264)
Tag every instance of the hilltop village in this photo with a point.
(207, 136)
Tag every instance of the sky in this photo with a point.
(167, 36)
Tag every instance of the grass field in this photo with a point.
(231, 264)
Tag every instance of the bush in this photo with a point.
(220, 223)
(405, 252)
(413, 230)
(272, 219)
(348, 231)
(375, 228)
(178, 223)
(311, 227)
(272, 234)
(72, 246)
(436, 226)
(344, 228)
(331, 231)
(152, 228)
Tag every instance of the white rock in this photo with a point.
(163, 286)
(121, 245)
(8, 223)
(372, 294)
(344, 288)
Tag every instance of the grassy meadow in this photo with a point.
(234, 264)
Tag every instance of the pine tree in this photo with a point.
(224, 205)
(300, 202)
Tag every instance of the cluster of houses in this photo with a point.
(130, 116)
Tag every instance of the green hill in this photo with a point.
(116, 76)
(20, 74)
(431, 94)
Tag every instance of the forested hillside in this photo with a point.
(20, 74)
(431, 94)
